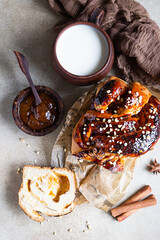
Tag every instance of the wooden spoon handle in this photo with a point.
(25, 69)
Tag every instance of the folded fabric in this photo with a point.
(135, 36)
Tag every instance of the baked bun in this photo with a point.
(46, 190)
(124, 121)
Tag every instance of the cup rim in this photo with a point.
(83, 77)
(16, 107)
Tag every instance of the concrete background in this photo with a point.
(26, 26)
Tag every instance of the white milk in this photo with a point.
(82, 50)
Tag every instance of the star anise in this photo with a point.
(154, 167)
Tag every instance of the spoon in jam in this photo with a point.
(41, 111)
(25, 69)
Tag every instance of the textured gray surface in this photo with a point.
(26, 26)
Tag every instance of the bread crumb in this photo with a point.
(37, 152)
(18, 171)
(89, 226)
(84, 231)
(22, 139)
(28, 145)
(54, 233)
(70, 230)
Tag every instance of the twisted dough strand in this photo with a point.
(125, 121)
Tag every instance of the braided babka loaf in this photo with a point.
(124, 121)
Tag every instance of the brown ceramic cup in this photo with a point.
(95, 21)
(16, 110)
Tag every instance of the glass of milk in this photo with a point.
(83, 53)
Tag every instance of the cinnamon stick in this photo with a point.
(123, 216)
(149, 201)
(143, 192)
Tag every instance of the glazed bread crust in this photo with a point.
(124, 121)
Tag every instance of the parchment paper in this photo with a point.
(96, 184)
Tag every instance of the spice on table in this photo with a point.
(143, 192)
(149, 201)
(154, 167)
(132, 205)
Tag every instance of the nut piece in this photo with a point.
(80, 160)
(89, 227)
(22, 139)
(18, 171)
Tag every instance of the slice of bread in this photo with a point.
(48, 191)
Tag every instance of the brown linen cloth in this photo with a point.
(135, 36)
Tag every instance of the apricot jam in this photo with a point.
(38, 117)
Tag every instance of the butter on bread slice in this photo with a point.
(47, 191)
